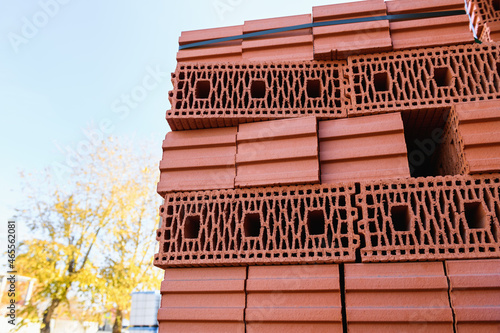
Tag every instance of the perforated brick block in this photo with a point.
(360, 148)
(490, 32)
(296, 298)
(483, 12)
(278, 152)
(438, 31)
(430, 218)
(203, 300)
(268, 225)
(340, 41)
(423, 78)
(289, 45)
(200, 159)
(226, 94)
(216, 52)
(475, 294)
(479, 135)
(397, 297)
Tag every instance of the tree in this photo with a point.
(75, 221)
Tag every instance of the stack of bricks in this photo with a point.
(338, 177)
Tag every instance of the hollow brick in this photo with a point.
(203, 300)
(296, 298)
(397, 297)
(278, 152)
(430, 218)
(290, 224)
(225, 94)
(198, 160)
(361, 148)
(475, 294)
(423, 78)
(437, 31)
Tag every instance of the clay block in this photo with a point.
(479, 135)
(438, 31)
(430, 218)
(355, 149)
(340, 41)
(297, 298)
(293, 224)
(196, 160)
(203, 300)
(490, 32)
(217, 52)
(397, 297)
(226, 94)
(483, 12)
(475, 294)
(279, 152)
(289, 45)
(423, 78)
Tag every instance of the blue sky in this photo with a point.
(70, 69)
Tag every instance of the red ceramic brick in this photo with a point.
(196, 160)
(355, 149)
(223, 51)
(475, 294)
(491, 32)
(397, 297)
(278, 225)
(279, 152)
(340, 41)
(483, 12)
(290, 45)
(438, 31)
(203, 300)
(297, 298)
(479, 135)
(423, 78)
(226, 94)
(430, 218)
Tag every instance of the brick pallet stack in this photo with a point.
(338, 177)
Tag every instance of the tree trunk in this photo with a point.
(47, 315)
(117, 326)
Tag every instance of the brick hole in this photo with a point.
(381, 81)
(202, 89)
(400, 218)
(313, 88)
(258, 89)
(251, 225)
(316, 222)
(475, 215)
(442, 76)
(496, 5)
(192, 226)
(498, 68)
(425, 137)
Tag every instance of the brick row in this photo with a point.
(295, 224)
(424, 78)
(333, 41)
(284, 152)
(450, 296)
(219, 95)
(405, 219)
